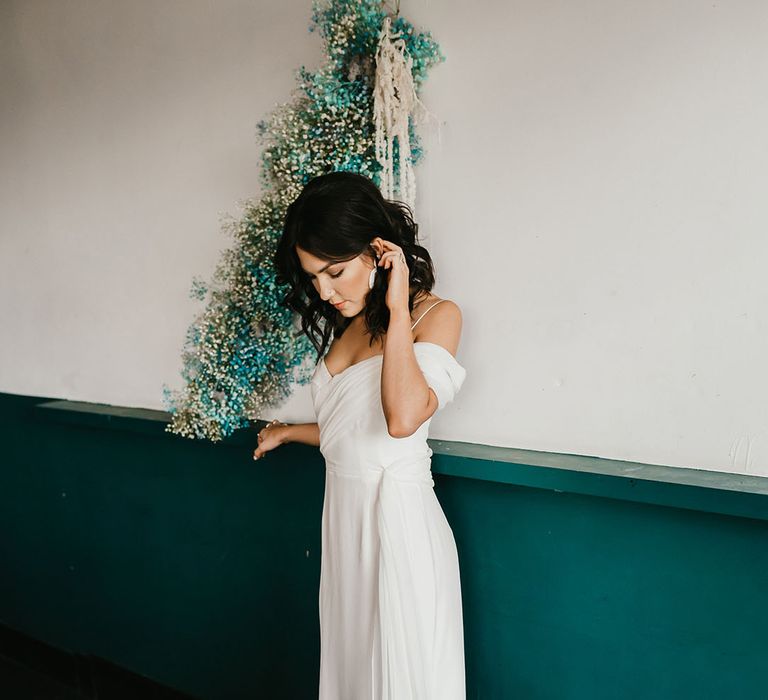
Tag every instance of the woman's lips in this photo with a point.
(339, 305)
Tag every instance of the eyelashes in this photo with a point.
(338, 274)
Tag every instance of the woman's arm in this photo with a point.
(406, 398)
(404, 391)
(308, 433)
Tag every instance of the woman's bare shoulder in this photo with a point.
(442, 325)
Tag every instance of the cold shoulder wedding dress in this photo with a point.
(390, 596)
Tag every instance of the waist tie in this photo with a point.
(406, 660)
(415, 469)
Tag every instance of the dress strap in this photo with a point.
(426, 312)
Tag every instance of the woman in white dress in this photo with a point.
(390, 595)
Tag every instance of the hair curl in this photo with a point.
(335, 217)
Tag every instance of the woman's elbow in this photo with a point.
(400, 427)
(398, 430)
(404, 429)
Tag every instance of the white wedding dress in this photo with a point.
(390, 595)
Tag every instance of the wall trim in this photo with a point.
(705, 490)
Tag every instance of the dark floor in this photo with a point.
(20, 683)
(31, 669)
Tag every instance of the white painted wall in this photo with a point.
(594, 203)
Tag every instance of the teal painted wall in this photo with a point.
(196, 566)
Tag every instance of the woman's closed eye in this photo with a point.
(338, 274)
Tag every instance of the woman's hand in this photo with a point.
(393, 259)
(270, 437)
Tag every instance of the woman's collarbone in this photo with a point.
(361, 350)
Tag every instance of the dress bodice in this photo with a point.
(353, 429)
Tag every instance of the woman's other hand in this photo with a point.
(270, 437)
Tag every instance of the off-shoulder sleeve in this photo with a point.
(441, 370)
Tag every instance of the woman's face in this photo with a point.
(345, 282)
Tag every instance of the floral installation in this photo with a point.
(357, 113)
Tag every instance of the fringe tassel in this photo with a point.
(394, 102)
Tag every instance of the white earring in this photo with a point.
(372, 276)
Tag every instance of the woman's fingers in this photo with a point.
(263, 434)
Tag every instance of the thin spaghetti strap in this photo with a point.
(426, 312)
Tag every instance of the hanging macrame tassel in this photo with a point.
(394, 101)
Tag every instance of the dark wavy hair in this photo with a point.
(335, 217)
